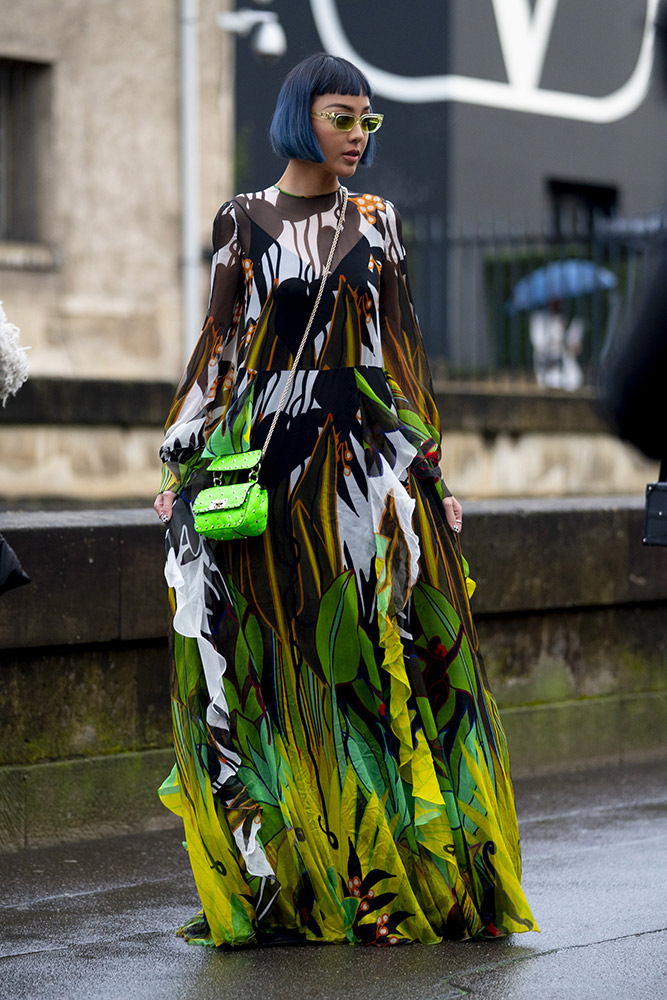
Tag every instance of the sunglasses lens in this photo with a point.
(371, 123)
(344, 123)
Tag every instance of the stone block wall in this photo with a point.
(98, 439)
(99, 290)
(572, 618)
(571, 611)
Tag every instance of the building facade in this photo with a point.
(495, 109)
(501, 116)
(90, 179)
(91, 201)
(499, 113)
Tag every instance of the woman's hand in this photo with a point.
(453, 513)
(163, 504)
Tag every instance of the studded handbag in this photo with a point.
(230, 511)
(227, 511)
(655, 510)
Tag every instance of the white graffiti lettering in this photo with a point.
(524, 38)
(524, 35)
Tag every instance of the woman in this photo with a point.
(341, 769)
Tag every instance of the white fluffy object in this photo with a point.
(13, 359)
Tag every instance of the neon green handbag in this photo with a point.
(228, 511)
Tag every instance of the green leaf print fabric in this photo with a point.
(341, 769)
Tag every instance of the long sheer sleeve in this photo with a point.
(204, 389)
(404, 356)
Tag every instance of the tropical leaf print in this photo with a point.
(341, 769)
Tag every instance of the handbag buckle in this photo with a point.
(218, 476)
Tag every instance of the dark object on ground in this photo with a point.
(655, 518)
(635, 380)
(12, 573)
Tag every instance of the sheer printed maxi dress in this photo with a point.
(341, 771)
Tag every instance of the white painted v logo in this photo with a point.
(524, 36)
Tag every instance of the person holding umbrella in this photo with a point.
(556, 345)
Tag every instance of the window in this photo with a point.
(24, 120)
(575, 206)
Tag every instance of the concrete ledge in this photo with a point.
(576, 735)
(98, 575)
(90, 402)
(81, 799)
(581, 653)
(92, 439)
(123, 403)
(536, 555)
(490, 410)
(63, 701)
(570, 609)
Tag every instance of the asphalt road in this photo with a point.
(95, 921)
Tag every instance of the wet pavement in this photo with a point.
(95, 921)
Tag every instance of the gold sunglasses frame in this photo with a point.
(332, 115)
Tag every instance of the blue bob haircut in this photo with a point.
(291, 131)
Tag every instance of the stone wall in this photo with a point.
(533, 443)
(571, 611)
(99, 440)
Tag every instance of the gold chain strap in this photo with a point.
(295, 365)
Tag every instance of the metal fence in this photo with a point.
(463, 283)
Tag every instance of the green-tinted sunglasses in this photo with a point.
(345, 122)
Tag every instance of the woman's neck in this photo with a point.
(307, 179)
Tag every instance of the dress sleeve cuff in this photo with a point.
(171, 479)
(432, 454)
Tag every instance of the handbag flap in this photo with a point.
(655, 514)
(231, 463)
(222, 497)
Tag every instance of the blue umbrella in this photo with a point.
(561, 279)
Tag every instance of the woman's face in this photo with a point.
(341, 150)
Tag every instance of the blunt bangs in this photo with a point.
(291, 132)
